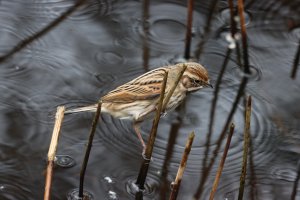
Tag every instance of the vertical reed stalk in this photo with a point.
(163, 101)
(246, 147)
(175, 83)
(52, 150)
(244, 36)
(149, 148)
(188, 36)
(146, 34)
(88, 149)
(222, 162)
(296, 62)
(213, 107)
(176, 184)
(233, 31)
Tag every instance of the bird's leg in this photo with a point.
(136, 126)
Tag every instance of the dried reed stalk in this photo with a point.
(222, 162)
(176, 183)
(170, 93)
(163, 101)
(296, 62)
(246, 147)
(88, 149)
(188, 36)
(244, 36)
(52, 150)
(149, 148)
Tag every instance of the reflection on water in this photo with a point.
(100, 47)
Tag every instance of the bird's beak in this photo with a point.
(209, 85)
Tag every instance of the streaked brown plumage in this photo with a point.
(138, 99)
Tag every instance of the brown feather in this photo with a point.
(144, 87)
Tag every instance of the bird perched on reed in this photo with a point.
(138, 99)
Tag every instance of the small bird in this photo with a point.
(138, 99)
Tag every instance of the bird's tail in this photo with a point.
(90, 108)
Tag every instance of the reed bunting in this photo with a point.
(138, 99)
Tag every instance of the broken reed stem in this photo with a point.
(170, 93)
(252, 171)
(222, 162)
(296, 62)
(52, 150)
(88, 149)
(233, 28)
(146, 35)
(188, 36)
(233, 31)
(176, 184)
(246, 147)
(22, 44)
(149, 148)
(213, 107)
(244, 36)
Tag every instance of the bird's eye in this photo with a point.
(197, 81)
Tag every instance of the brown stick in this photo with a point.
(296, 62)
(233, 31)
(244, 36)
(146, 35)
(149, 148)
(22, 44)
(176, 183)
(213, 108)
(170, 93)
(88, 149)
(52, 150)
(221, 165)
(188, 36)
(246, 147)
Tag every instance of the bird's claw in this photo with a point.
(144, 155)
(163, 114)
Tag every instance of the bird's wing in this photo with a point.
(145, 87)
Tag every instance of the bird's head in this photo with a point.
(195, 77)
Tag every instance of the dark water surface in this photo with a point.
(100, 47)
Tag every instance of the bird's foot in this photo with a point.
(163, 114)
(144, 155)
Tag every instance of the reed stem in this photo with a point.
(176, 184)
(222, 162)
(188, 36)
(88, 149)
(149, 148)
(244, 36)
(146, 35)
(246, 147)
(213, 107)
(52, 150)
(174, 85)
(296, 62)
